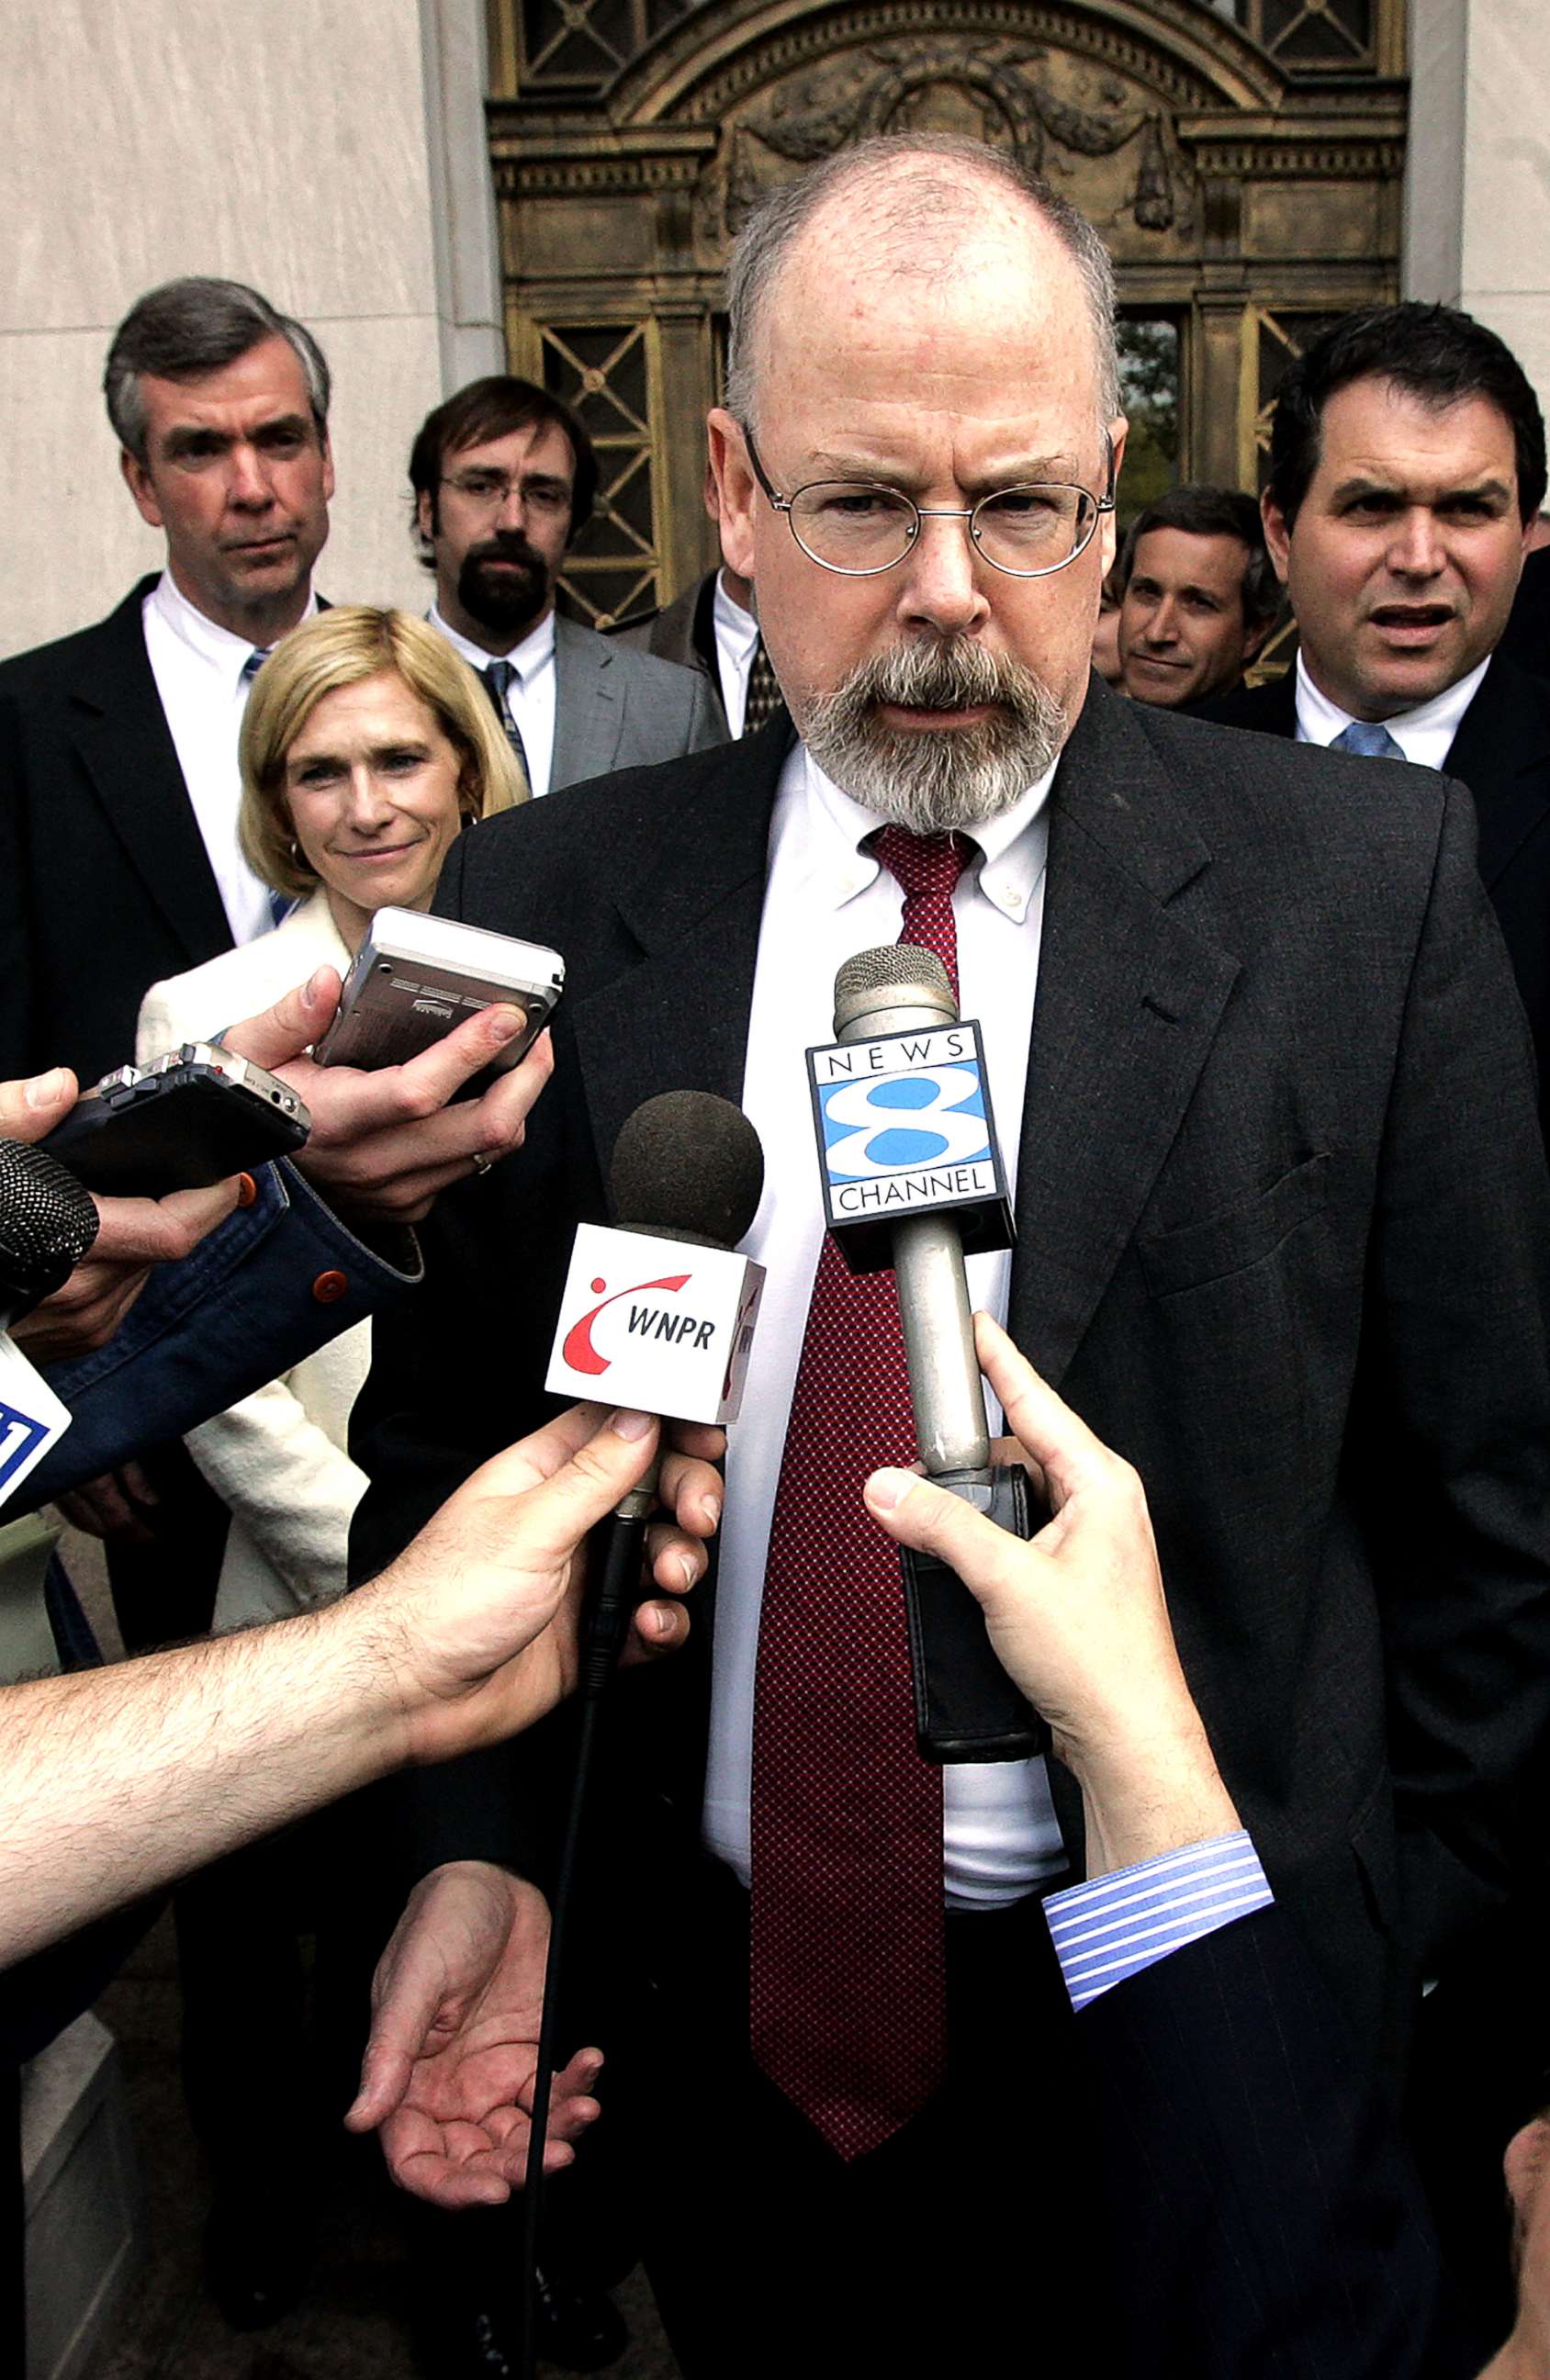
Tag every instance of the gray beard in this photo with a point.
(937, 781)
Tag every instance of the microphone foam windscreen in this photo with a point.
(47, 1221)
(687, 1165)
(894, 963)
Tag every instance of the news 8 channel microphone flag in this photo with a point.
(913, 1179)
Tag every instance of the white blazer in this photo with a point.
(277, 1460)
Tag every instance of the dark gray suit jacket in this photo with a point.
(682, 631)
(1260, 1249)
(616, 709)
(104, 883)
(1502, 753)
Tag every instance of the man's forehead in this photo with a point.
(1379, 427)
(1191, 553)
(537, 446)
(268, 377)
(1004, 331)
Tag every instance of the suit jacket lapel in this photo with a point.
(1502, 753)
(691, 899)
(588, 708)
(1130, 990)
(121, 735)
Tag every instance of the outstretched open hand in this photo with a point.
(450, 2067)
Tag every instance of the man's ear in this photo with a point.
(138, 479)
(1253, 639)
(328, 465)
(737, 491)
(425, 514)
(1108, 527)
(1524, 2161)
(1278, 534)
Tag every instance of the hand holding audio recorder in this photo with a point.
(416, 976)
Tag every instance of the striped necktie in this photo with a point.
(848, 1985)
(763, 698)
(498, 677)
(1369, 737)
(280, 903)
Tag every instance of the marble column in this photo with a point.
(330, 152)
(1477, 198)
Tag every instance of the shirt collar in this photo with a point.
(1013, 846)
(213, 645)
(739, 628)
(1424, 734)
(526, 659)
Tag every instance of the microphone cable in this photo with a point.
(686, 1165)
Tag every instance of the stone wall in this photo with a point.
(329, 152)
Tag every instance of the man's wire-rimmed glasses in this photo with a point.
(488, 491)
(857, 527)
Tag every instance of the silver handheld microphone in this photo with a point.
(903, 989)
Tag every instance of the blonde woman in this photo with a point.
(367, 748)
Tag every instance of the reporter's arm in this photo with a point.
(1079, 1620)
(1267, 2214)
(114, 1781)
(281, 1277)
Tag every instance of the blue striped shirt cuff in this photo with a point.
(1118, 1925)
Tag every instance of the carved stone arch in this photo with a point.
(1243, 203)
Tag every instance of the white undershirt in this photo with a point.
(737, 632)
(1424, 734)
(198, 669)
(531, 692)
(825, 899)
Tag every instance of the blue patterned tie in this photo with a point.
(1369, 737)
(498, 677)
(280, 903)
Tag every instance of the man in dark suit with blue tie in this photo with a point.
(118, 857)
(1407, 467)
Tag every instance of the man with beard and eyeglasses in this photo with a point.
(1248, 1025)
(504, 478)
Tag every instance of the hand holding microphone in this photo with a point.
(658, 1313)
(1078, 1618)
(912, 1177)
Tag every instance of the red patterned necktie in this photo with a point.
(849, 2006)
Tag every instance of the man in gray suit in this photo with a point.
(503, 477)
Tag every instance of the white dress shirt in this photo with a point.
(198, 669)
(737, 633)
(1424, 734)
(531, 692)
(826, 899)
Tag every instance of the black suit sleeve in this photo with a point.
(1267, 2221)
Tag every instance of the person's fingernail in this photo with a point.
(687, 1570)
(630, 1425)
(713, 1510)
(311, 990)
(505, 1024)
(46, 1090)
(888, 1489)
